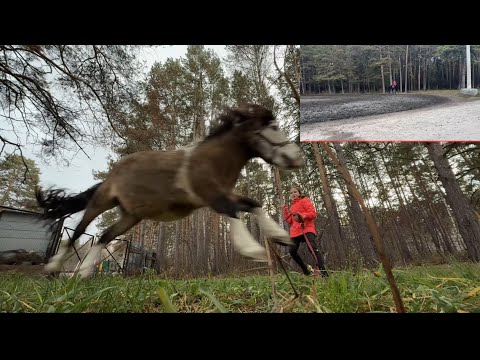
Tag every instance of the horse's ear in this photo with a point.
(238, 117)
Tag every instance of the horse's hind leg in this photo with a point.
(125, 223)
(56, 262)
(95, 207)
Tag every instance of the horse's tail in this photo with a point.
(57, 205)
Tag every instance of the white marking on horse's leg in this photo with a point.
(271, 228)
(244, 243)
(56, 261)
(88, 265)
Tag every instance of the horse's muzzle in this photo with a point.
(297, 163)
(289, 157)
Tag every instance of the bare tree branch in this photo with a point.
(287, 78)
(67, 92)
(19, 148)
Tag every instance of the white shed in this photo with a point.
(26, 230)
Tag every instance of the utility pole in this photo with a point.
(468, 90)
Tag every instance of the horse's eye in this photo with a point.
(275, 127)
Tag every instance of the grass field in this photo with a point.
(434, 288)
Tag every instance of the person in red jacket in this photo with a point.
(301, 216)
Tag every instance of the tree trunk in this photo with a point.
(461, 74)
(302, 82)
(447, 240)
(390, 67)
(160, 252)
(419, 72)
(450, 74)
(380, 246)
(218, 254)
(425, 74)
(409, 218)
(364, 239)
(381, 71)
(293, 87)
(249, 194)
(176, 245)
(142, 234)
(330, 206)
(412, 77)
(400, 67)
(406, 70)
(467, 223)
(281, 200)
(458, 243)
(397, 236)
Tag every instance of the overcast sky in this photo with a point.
(77, 175)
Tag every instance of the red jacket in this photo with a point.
(305, 208)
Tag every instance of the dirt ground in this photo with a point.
(29, 269)
(401, 117)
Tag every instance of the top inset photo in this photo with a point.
(390, 93)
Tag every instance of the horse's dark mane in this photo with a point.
(224, 124)
(226, 120)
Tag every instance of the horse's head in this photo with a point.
(256, 126)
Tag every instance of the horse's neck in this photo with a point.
(233, 154)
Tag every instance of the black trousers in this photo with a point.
(294, 253)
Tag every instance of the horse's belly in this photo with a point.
(174, 212)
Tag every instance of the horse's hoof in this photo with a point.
(52, 267)
(256, 254)
(282, 239)
(52, 274)
(85, 273)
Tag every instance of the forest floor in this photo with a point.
(443, 115)
(453, 288)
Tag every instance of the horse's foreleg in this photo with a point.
(243, 241)
(271, 228)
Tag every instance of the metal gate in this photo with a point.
(111, 260)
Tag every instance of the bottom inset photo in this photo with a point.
(396, 224)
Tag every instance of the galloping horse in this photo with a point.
(392, 89)
(170, 185)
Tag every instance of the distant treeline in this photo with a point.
(372, 68)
